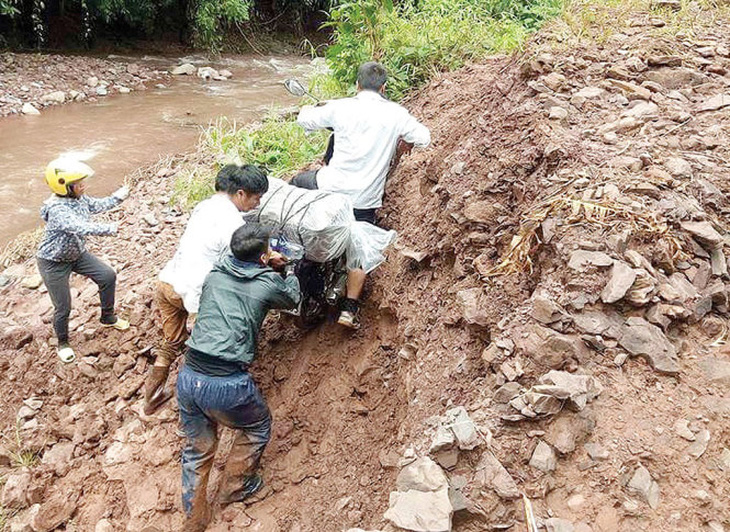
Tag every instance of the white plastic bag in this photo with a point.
(322, 223)
(367, 244)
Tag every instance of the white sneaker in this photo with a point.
(349, 319)
(66, 354)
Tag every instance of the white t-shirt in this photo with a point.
(367, 128)
(206, 239)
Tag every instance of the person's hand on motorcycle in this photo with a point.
(277, 261)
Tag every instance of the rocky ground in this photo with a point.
(550, 331)
(31, 82)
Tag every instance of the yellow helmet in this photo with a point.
(63, 172)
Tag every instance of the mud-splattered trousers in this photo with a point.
(205, 401)
(174, 319)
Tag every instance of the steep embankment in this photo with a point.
(594, 176)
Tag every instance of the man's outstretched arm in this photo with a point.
(415, 133)
(312, 118)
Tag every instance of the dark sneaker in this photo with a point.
(251, 485)
(119, 324)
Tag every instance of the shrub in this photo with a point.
(414, 42)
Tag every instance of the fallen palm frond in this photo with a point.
(604, 213)
(529, 515)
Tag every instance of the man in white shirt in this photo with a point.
(367, 131)
(205, 241)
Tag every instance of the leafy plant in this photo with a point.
(416, 40)
(277, 143)
(211, 18)
(8, 8)
(19, 455)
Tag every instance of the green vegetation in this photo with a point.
(23, 458)
(437, 35)
(205, 23)
(277, 143)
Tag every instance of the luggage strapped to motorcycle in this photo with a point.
(289, 214)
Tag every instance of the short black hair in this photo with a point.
(371, 76)
(249, 241)
(249, 178)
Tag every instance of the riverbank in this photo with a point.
(116, 135)
(43, 80)
(561, 274)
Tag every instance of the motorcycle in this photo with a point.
(323, 284)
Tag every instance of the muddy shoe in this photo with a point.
(155, 394)
(349, 320)
(350, 314)
(251, 485)
(159, 398)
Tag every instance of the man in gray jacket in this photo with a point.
(214, 385)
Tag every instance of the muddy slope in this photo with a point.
(569, 217)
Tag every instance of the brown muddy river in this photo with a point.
(120, 133)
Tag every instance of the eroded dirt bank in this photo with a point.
(594, 176)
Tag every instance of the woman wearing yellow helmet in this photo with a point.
(67, 214)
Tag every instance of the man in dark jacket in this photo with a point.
(214, 385)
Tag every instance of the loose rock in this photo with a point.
(490, 473)
(422, 475)
(642, 485)
(641, 338)
(543, 458)
(622, 277)
(185, 69)
(421, 511)
(699, 447)
(579, 259)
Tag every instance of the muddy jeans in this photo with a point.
(204, 402)
(56, 278)
(174, 319)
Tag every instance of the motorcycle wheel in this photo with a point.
(311, 314)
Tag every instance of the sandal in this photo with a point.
(66, 354)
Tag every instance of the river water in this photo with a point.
(120, 133)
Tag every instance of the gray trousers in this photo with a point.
(56, 278)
